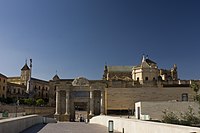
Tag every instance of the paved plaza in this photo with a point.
(67, 127)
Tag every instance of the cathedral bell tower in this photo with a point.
(25, 74)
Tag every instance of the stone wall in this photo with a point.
(155, 109)
(125, 98)
(11, 108)
(28, 110)
(18, 124)
(138, 126)
(45, 111)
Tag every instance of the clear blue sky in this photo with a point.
(77, 37)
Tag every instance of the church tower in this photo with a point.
(105, 75)
(25, 74)
(174, 72)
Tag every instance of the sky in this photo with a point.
(76, 37)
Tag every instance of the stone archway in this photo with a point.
(80, 94)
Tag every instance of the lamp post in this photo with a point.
(17, 104)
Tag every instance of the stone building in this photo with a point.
(79, 94)
(117, 93)
(147, 72)
(3, 86)
(35, 88)
(117, 72)
(16, 91)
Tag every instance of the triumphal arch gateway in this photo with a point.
(79, 95)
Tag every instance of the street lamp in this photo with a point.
(17, 104)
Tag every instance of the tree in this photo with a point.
(189, 118)
(40, 102)
(28, 101)
(170, 117)
(195, 88)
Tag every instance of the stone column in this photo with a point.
(91, 103)
(102, 102)
(57, 102)
(67, 103)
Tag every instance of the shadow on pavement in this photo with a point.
(34, 129)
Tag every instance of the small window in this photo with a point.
(3, 88)
(138, 78)
(0, 79)
(154, 78)
(146, 78)
(184, 97)
(4, 80)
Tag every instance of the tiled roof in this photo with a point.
(120, 68)
(150, 61)
(25, 67)
(39, 80)
(1, 75)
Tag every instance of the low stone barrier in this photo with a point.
(40, 110)
(18, 124)
(137, 126)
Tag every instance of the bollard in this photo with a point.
(86, 121)
(110, 126)
(44, 120)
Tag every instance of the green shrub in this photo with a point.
(189, 118)
(29, 101)
(40, 102)
(170, 117)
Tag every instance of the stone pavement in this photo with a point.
(67, 127)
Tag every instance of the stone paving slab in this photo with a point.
(67, 127)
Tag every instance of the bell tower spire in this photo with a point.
(25, 73)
